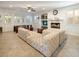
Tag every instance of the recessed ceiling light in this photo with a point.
(28, 5)
(29, 10)
(15, 17)
(43, 8)
(10, 5)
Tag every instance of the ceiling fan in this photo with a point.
(30, 9)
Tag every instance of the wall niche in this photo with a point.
(44, 16)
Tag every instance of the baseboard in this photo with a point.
(76, 34)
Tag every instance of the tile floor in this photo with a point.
(11, 45)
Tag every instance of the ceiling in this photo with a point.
(37, 5)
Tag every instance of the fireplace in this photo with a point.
(55, 25)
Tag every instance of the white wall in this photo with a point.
(71, 28)
(63, 14)
(28, 18)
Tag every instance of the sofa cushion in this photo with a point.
(45, 32)
(23, 33)
(62, 34)
(45, 44)
(52, 43)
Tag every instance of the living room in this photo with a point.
(23, 22)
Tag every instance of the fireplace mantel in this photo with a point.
(55, 21)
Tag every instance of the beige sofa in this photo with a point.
(45, 43)
(24, 33)
(62, 34)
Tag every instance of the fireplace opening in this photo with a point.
(55, 25)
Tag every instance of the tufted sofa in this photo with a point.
(45, 43)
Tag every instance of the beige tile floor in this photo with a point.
(71, 48)
(11, 45)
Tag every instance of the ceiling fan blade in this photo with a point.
(30, 8)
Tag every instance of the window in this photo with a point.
(7, 19)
